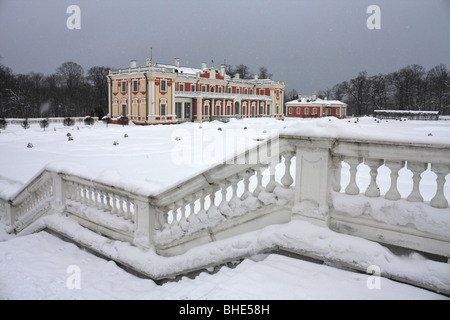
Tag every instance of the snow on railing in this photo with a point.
(302, 177)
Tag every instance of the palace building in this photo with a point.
(313, 107)
(163, 94)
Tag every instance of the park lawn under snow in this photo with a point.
(155, 157)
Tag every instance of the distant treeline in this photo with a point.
(69, 92)
(410, 88)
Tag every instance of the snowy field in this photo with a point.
(153, 158)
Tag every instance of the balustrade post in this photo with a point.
(246, 174)
(394, 166)
(59, 193)
(312, 181)
(259, 177)
(11, 214)
(287, 179)
(373, 190)
(144, 224)
(272, 168)
(439, 200)
(417, 169)
(352, 188)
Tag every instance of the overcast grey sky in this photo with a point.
(309, 44)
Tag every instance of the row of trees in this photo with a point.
(410, 88)
(66, 93)
(245, 72)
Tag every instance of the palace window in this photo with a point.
(163, 87)
(163, 108)
(229, 89)
(314, 111)
(238, 91)
(219, 89)
(338, 113)
(181, 87)
(124, 86)
(290, 110)
(245, 91)
(306, 111)
(298, 110)
(203, 88)
(192, 87)
(135, 86)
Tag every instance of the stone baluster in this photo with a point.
(128, 214)
(84, 193)
(352, 188)
(108, 206)
(259, 177)
(68, 190)
(95, 195)
(212, 195)
(91, 196)
(439, 200)
(287, 179)
(79, 196)
(394, 166)
(373, 190)
(201, 195)
(114, 203)
(120, 211)
(272, 169)
(182, 206)
(234, 180)
(223, 187)
(172, 207)
(191, 201)
(246, 175)
(162, 218)
(417, 169)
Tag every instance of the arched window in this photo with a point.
(236, 107)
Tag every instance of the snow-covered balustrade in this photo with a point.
(282, 178)
(97, 205)
(226, 200)
(30, 203)
(406, 221)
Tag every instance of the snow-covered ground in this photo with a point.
(40, 266)
(155, 157)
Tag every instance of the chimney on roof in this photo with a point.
(313, 98)
(222, 69)
(236, 75)
(177, 62)
(132, 63)
(203, 66)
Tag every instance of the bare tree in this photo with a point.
(264, 74)
(243, 71)
(71, 79)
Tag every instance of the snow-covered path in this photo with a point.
(38, 266)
